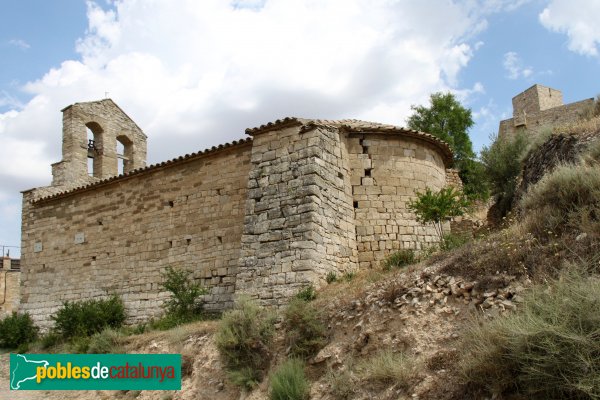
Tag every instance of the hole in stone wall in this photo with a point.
(340, 175)
(188, 241)
(355, 204)
(170, 243)
(219, 191)
(171, 203)
(100, 222)
(94, 258)
(257, 199)
(368, 172)
(365, 149)
(219, 239)
(43, 266)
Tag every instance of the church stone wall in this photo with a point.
(299, 218)
(119, 237)
(386, 172)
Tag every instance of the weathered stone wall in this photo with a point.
(119, 235)
(109, 124)
(262, 217)
(299, 217)
(386, 171)
(535, 99)
(540, 108)
(9, 288)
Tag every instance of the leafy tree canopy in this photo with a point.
(448, 120)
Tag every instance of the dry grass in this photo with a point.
(172, 336)
(581, 127)
(549, 350)
(388, 367)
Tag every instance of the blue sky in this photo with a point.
(195, 74)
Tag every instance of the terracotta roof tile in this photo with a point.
(146, 169)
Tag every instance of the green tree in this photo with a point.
(502, 162)
(448, 120)
(435, 208)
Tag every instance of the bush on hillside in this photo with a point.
(289, 382)
(244, 340)
(87, 317)
(305, 334)
(548, 350)
(502, 162)
(17, 330)
(568, 199)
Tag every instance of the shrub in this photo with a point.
(387, 367)
(289, 382)
(107, 341)
(435, 208)
(452, 241)
(566, 199)
(184, 293)
(87, 317)
(548, 350)
(331, 277)
(307, 294)
(399, 259)
(502, 161)
(244, 340)
(305, 334)
(17, 330)
(341, 383)
(348, 276)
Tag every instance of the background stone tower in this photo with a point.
(99, 141)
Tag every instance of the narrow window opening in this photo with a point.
(340, 175)
(170, 243)
(43, 266)
(219, 191)
(93, 258)
(91, 146)
(189, 241)
(365, 149)
(171, 203)
(100, 222)
(368, 172)
(220, 239)
(355, 204)
(258, 199)
(120, 157)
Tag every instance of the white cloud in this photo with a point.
(194, 74)
(20, 43)
(578, 19)
(514, 66)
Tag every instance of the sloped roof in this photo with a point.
(147, 169)
(355, 126)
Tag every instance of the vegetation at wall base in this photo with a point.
(244, 340)
(87, 317)
(183, 303)
(331, 277)
(17, 330)
(399, 259)
(435, 208)
(305, 334)
(307, 294)
(289, 382)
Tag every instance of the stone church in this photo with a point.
(264, 215)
